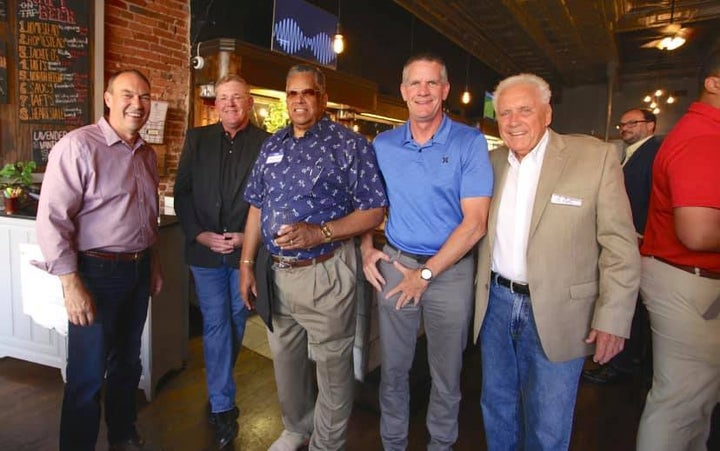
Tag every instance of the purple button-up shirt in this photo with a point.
(97, 193)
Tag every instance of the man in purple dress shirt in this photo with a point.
(96, 226)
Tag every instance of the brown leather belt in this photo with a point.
(301, 263)
(116, 256)
(691, 269)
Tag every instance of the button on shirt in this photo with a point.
(509, 254)
(324, 175)
(97, 193)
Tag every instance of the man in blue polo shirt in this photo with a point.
(314, 185)
(439, 182)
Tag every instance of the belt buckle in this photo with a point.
(136, 256)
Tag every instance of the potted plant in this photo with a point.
(14, 178)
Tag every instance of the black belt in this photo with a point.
(515, 287)
(422, 259)
(691, 269)
(116, 256)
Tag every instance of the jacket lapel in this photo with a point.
(552, 167)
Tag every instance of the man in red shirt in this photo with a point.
(681, 276)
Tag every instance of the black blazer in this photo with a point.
(638, 180)
(198, 200)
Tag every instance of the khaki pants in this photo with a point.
(686, 358)
(312, 343)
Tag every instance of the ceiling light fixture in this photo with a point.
(671, 42)
(465, 98)
(338, 44)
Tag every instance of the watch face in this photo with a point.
(426, 274)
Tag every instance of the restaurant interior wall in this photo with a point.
(151, 36)
(583, 109)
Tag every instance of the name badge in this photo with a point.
(274, 158)
(559, 199)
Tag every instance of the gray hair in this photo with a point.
(227, 78)
(542, 87)
(427, 57)
(307, 68)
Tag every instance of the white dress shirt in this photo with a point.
(509, 253)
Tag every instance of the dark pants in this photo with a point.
(108, 349)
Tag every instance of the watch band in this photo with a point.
(327, 232)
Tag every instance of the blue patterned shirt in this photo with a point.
(325, 175)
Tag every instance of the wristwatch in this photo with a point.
(426, 274)
(327, 232)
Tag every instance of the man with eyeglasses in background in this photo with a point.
(324, 180)
(214, 165)
(637, 129)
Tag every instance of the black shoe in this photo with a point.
(605, 374)
(226, 426)
(136, 443)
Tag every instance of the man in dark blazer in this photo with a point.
(209, 186)
(637, 128)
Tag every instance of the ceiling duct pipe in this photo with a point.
(611, 80)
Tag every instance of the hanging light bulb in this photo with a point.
(338, 44)
(656, 110)
(670, 99)
(338, 41)
(653, 104)
(658, 93)
(465, 98)
(647, 99)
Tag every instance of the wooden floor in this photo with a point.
(30, 395)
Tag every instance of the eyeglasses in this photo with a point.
(629, 124)
(291, 95)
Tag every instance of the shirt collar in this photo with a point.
(111, 136)
(635, 146)
(536, 155)
(440, 136)
(317, 128)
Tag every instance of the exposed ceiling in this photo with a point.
(575, 42)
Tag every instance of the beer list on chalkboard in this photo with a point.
(53, 61)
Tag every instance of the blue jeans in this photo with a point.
(224, 316)
(527, 401)
(108, 350)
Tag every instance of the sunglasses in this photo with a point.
(302, 93)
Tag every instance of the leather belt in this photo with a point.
(691, 269)
(116, 256)
(302, 263)
(515, 287)
(422, 259)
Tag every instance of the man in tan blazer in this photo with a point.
(558, 270)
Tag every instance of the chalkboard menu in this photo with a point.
(53, 62)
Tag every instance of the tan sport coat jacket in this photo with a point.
(582, 253)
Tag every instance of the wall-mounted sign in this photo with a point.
(153, 131)
(53, 62)
(43, 142)
(305, 31)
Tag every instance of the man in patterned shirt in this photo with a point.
(314, 186)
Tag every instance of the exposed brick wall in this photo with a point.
(153, 37)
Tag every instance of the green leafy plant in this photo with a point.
(15, 176)
(277, 117)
